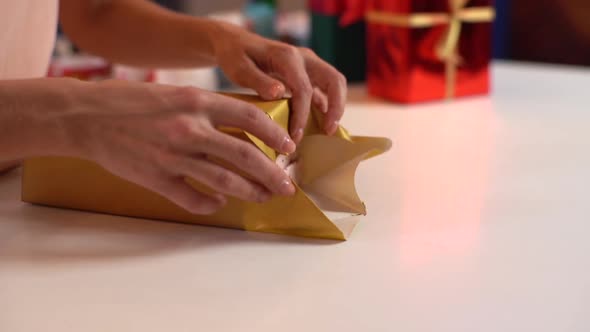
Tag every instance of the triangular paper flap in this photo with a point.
(346, 224)
(320, 154)
(335, 190)
(326, 167)
(295, 215)
(374, 145)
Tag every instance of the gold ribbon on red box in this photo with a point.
(447, 46)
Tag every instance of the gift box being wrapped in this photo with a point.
(325, 204)
(421, 50)
(338, 35)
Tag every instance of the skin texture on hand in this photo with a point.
(137, 32)
(156, 136)
(272, 69)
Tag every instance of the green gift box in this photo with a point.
(339, 38)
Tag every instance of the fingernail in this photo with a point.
(288, 146)
(287, 188)
(298, 135)
(331, 129)
(275, 90)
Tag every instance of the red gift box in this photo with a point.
(420, 50)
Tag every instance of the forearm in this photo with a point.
(31, 113)
(139, 33)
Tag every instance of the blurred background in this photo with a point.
(546, 31)
(543, 30)
(540, 30)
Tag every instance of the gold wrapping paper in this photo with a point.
(447, 46)
(325, 204)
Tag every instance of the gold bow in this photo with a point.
(446, 49)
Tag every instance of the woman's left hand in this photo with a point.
(274, 69)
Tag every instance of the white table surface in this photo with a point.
(479, 220)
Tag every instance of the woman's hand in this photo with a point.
(156, 135)
(272, 69)
(140, 33)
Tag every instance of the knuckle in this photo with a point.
(305, 88)
(187, 129)
(180, 128)
(240, 68)
(252, 115)
(288, 51)
(163, 159)
(223, 180)
(245, 154)
(307, 52)
(200, 134)
(190, 98)
(160, 156)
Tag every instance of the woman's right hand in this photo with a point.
(157, 135)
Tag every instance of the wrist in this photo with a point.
(30, 117)
(202, 36)
(59, 131)
(72, 129)
(220, 35)
(55, 126)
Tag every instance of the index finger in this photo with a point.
(333, 84)
(235, 113)
(293, 73)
